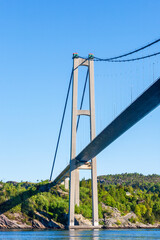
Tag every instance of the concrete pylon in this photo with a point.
(74, 167)
(92, 136)
(73, 142)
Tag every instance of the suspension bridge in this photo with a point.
(148, 100)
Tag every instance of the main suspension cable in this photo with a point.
(126, 54)
(129, 53)
(135, 59)
(64, 111)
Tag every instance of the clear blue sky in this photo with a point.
(37, 39)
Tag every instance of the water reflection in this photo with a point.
(87, 234)
(95, 234)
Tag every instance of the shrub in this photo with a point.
(118, 222)
(132, 220)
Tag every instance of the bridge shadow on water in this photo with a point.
(20, 198)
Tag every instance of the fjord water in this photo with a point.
(138, 234)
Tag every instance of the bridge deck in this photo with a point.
(144, 104)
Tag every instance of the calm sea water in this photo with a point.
(81, 234)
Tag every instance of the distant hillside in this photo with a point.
(135, 180)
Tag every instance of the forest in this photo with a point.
(126, 192)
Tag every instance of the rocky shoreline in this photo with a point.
(114, 220)
(17, 223)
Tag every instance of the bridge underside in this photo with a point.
(144, 104)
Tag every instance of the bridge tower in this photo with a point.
(74, 165)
